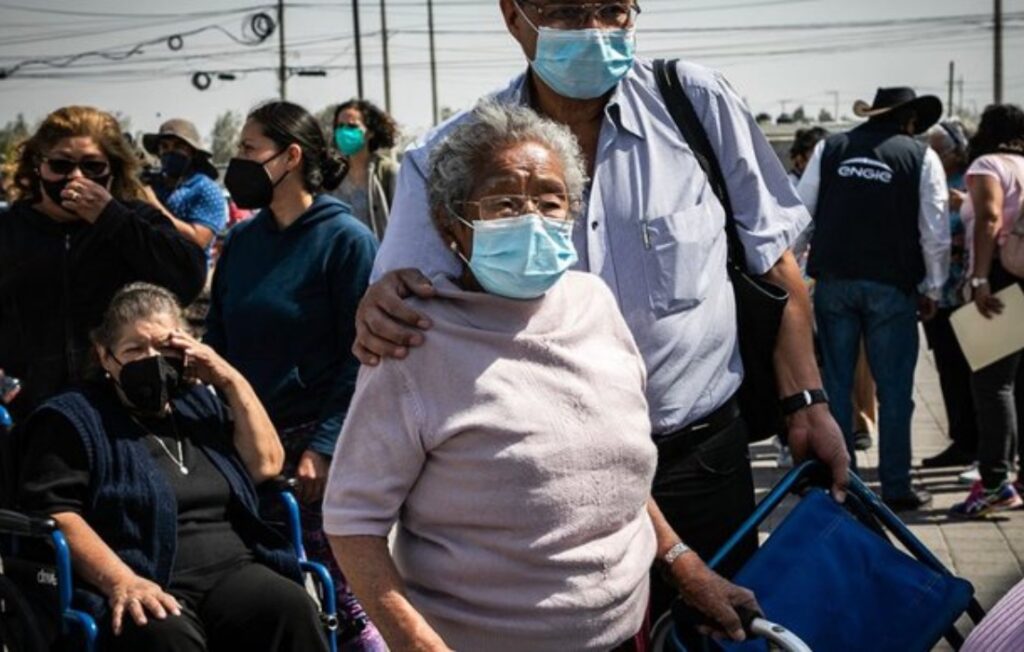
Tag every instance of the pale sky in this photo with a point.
(773, 51)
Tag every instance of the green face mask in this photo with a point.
(349, 139)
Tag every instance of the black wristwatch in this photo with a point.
(804, 399)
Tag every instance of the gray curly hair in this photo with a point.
(491, 126)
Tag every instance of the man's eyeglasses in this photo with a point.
(91, 169)
(554, 205)
(579, 16)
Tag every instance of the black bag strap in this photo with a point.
(685, 116)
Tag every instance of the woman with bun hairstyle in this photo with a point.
(283, 306)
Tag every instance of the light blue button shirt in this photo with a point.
(653, 231)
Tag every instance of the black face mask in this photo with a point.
(54, 188)
(150, 383)
(175, 165)
(249, 182)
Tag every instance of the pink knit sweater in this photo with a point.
(1002, 630)
(513, 450)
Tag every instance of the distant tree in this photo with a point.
(799, 115)
(13, 133)
(825, 116)
(763, 118)
(784, 119)
(224, 136)
(447, 112)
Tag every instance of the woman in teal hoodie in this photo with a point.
(283, 304)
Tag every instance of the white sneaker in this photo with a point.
(970, 476)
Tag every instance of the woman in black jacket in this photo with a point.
(76, 231)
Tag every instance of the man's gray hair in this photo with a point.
(952, 134)
(491, 126)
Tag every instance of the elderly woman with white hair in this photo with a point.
(513, 448)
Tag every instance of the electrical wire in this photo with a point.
(256, 28)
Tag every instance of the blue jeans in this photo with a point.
(886, 318)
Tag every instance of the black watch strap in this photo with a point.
(804, 399)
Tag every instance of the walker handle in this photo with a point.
(778, 635)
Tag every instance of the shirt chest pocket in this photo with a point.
(677, 248)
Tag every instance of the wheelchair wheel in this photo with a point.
(661, 635)
(19, 631)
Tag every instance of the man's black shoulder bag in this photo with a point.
(759, 304)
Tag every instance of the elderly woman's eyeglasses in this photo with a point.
(90, 168)
(554, 205)
(578, 16)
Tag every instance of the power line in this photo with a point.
(134, 15)
(260, 27)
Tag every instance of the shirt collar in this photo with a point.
(188, 183)
(619, 108)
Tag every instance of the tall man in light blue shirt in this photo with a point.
(653, 230)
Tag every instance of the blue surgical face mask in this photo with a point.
(582, 63)
(520, 257)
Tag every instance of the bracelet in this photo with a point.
(674, 553)
(804, 399)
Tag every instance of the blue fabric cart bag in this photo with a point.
(841, 587)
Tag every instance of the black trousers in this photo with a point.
(998, 391)
(999, 395)
(252, 609)
(954, 381)
(705, 489)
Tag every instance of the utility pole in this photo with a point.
(282, 69)
(952, 82)
(384, 44)
(997, 66)
(433, 59)
(359, 48)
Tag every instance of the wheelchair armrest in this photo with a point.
(24, 525)
(277, 484)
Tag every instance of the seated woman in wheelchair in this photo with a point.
(151, 478)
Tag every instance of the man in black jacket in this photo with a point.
(880, 254)
(72, 237)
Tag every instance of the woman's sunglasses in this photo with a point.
(90, 168)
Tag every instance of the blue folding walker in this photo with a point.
(831, 579)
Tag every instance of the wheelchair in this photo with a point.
(31, 590)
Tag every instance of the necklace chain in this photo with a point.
(178, 461)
